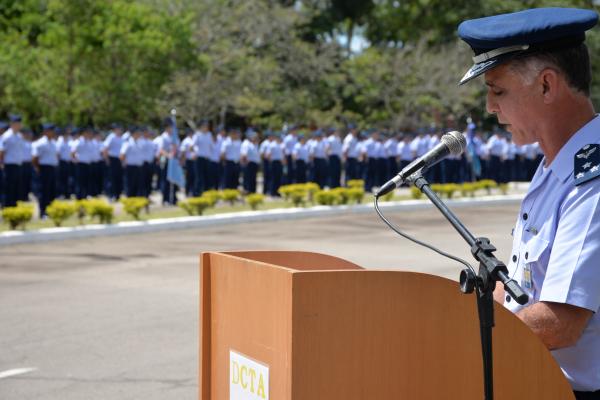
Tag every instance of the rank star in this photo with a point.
(579, 175)
(587, 165)
(594, 168)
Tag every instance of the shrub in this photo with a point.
(487, 184)
(97, 208)
(356, 194)
(230, 195)
(254, 200)
(468, 189)
(342, 195)
(59, 211)
(438, 188)
(286, 191)
(200, 204)
(17, 216)
(298, 196)
(450, 189)
(503, 188)
(311, 188)
(388, 196)
(134, 205)
(326, 197)
(213, 195)
(415, 193)
(356, 183)
(195, 205)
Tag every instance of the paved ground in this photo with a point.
(116, 318)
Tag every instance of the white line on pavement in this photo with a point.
(16, 371)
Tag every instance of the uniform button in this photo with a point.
(507, 298)
(526, 255)
(525, 216)
(514, 258)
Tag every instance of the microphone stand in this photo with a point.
(491, 270)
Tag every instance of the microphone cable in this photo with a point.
(420, 243)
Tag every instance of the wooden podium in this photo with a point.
(327, 329)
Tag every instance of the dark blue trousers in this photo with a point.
(167, 188)
(83, 180)
(276, 168)
(134, 180)
(26, 183)
(335, 171)
(12, 182)
(147, 174)
(232, 174)
(266, 166)
(116, 177)
(47, 187)
(250, 171)
(190, 177)
(201, 178)
(320, 172)
(300, 169)
(351, 169)
(64, 188)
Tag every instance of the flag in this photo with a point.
(175, 173)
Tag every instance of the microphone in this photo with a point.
(450, 143)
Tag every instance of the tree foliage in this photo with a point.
(263, 62)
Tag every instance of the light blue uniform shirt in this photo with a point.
(232, 150)
(133, 150)
(84, 150)
(148, 150)
(496, 146)
(318, 148)
(12, 144)
(188, 148)
(97, 154)
(64, 150)
(405, 151)
(275, 151)
(289, 142)
(371, 148)
(217, 145)
(556, 245)
(113, 144)
(26, 151)
(334, 146)
(350, 146)
(46, 152)
(250, 151)
(391, 147)
(204, 144)
(264, 146)
(301, 152)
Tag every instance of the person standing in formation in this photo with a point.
(45, 163)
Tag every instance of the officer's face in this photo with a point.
(517, 104)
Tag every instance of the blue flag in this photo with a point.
(175, 173)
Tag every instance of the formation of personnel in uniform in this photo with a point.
(84, 162)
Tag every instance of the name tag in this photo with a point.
(248, 379)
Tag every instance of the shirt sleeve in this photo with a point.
(573, 273)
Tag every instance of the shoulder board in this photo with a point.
(586, 164)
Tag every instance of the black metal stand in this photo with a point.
(490, 271)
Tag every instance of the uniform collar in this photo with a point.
(562, 166)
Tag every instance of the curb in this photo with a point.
(156, 225)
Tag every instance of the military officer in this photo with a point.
(537, 72)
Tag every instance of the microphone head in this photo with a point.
(455, 141)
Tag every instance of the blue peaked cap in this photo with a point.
(499, 38)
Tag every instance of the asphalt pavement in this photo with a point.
(117, 317)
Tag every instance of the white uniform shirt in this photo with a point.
(391, 147)
(148, 149)
(204, 144)
(556, 252)
(217, 145)
(46, 152)
(26, 155)
(318, 149)
(97, 154)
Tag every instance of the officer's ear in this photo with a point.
(549, 81)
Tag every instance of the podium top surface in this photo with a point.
(295, 261)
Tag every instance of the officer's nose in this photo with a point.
(490, 104)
